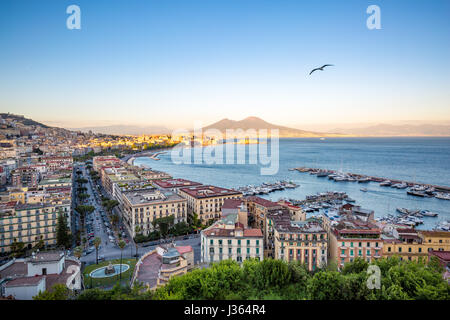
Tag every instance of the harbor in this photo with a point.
(414, 189)
(331, 204)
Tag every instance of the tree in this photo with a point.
(81, 181)
(58, 292)
(164, 224)
(83, 196)
(326, 285)
(115, 220)
(63, 237)
(122, 245)
(357, 266)
(97, 241)
(40, 243)
(17, 247)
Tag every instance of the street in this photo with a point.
(100, 226)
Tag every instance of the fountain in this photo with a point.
(109, 271)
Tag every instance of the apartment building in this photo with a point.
(105, 161)
(141, 207)
(29, 223)
(227, 238)
(412, 245)
(296, 212)
(304, 241)
(110, 176)
(207, 201)
(352, 237)
(258, 208)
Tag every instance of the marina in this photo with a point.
(266, 188)
(414, 189)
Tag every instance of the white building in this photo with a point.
(229, 239)
(25, 278)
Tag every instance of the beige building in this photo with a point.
(139, 208)
(207, 201)
(29, 223)
(303, 241)
(410, 244)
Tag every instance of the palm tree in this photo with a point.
(97, 241)
(121, 246)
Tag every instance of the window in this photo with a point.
(220, 241)
(248, 242)
(351, 244)
(359, 252)
(360, 244)
(351, 252)
(368, 244)
(257, 250)
(400, 249)
(257, 242)
(238, 250)
(409, 249)
(368, 253)
(248, 250)
(211, 241)
(342, 251)
(239, 242)
(389, 249)
(229, 241)
(420, 249)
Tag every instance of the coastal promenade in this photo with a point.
(149, 154)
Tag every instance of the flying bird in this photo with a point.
(321, 68)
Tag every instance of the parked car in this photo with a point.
(101, 257)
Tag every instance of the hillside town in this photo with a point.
(92, 222)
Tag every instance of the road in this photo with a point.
(109, 249)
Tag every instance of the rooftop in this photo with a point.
(443, 255)
(175, 183)
(150, 196)
(262, 202)
(201, 192)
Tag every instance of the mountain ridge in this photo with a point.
(256, 123)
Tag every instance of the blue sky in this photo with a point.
(175, 62)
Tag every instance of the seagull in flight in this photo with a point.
(321, 68)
